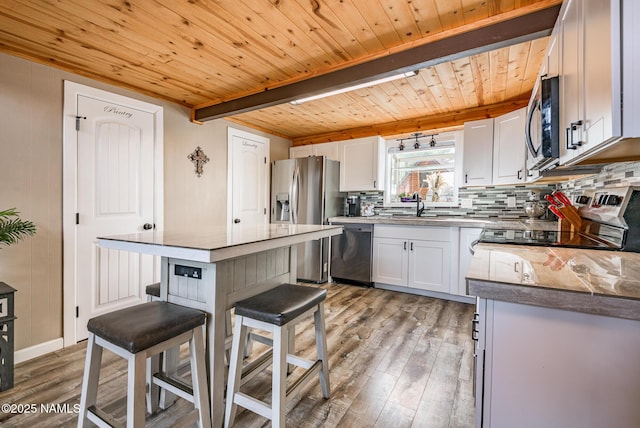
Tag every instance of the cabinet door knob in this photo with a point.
(236, 220)
(147, 226)
(405, 245)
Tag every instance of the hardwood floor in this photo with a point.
(397, 360)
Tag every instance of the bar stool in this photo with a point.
(153, 292)
(137, 333)
(278, 311)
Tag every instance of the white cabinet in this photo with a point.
(598, 49)
(478, 152)
(416, 257)
(467, 236)
(390, 260)
(300, 151)
(509, 148)
(430, 265)
(571, 91)
(361, 164)
(494, 150)
(330, 150)
(582, 369)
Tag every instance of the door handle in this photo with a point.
(411, 246)
(573, 126)
(147, 226)
(236, 220)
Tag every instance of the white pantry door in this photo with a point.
(115, 195)
(249, 178)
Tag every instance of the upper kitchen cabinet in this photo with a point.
(477, 159)
(599, 66)
(361, 164)
(509, 148)
(330, 150)
(494, 150)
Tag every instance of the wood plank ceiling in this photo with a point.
(200, 53)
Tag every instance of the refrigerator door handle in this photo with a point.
(295, 194)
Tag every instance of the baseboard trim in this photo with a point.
(427, 293)
(37, 350)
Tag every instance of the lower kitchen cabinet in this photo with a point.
(467, 237)
(545, 367)
(415, 257)
(390, 260)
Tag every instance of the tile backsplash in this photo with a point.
(492, 201)
(616, 174)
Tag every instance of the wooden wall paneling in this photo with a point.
(438, 94)
(466, 82)
(427, 18)
(321, 23)
(236, 65)
(499, 60)
(516, 69)
(480, 69)
(402, 18)
(449, 80)
(297, 34)
(83, 57)
(534, 60)
(413, 99)
(367, 33)
(450, 12)
(253, 54)
(199, 54)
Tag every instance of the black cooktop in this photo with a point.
(547, 238)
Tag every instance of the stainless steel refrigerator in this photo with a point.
(307, 191)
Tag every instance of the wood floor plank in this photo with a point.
(396, 416)
(396, 359)
(437, 401)
(370, 401)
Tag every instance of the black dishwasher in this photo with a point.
(351, 254)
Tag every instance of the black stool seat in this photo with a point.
(153, 290)
(282, 304)
(142, 326)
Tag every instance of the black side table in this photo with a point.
(7, 340)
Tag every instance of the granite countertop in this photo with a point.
(450, 221)
(218, 243)
(593, 281)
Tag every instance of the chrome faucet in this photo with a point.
(419, 210)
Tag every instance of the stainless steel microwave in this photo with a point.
(542, 131)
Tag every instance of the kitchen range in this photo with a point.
(604, 219)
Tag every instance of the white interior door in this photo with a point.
(249, 178)
(115, 167)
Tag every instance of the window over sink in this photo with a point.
(432, 172)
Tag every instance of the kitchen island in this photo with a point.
(558, 336)
(213, 269)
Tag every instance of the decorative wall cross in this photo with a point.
(199, 159)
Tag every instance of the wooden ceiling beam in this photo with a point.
(494, 35)
(434, 123)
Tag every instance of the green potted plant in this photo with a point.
(13, 229)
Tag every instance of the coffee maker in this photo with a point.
(353, 206)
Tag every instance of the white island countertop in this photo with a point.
(221, 243)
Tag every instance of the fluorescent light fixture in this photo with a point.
(354, 87)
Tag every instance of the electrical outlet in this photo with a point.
(511, 202)
(466, 203)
